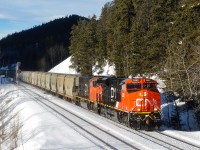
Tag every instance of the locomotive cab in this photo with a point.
(140, 95)
(141, 99)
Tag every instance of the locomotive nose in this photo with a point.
(146, 101)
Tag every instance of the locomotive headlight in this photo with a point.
(145, 93)
(155, 109)
(138, 109)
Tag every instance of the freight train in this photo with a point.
(134, 102)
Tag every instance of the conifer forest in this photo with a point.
(144, 37)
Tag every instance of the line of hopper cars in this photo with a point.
(134, 102)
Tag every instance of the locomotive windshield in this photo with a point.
(133, 87)
(150, 86)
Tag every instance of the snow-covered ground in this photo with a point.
(39, 128)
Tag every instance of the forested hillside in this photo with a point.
(151, 36)
(39, 48)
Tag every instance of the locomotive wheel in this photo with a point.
(128, 124)
(99, 109)
(77, 102)
(103, 112)
(95, 107)
(138, 124)
(123, 118)
(91, 106)
(120, 117)
(88, 105)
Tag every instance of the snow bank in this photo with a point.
(64, 67)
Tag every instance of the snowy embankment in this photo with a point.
(41, 128)
(187, 123)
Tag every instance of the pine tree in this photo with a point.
(83, 45)
(118, 38)
(138, 33)
(157, 38)
(91, 46)
(76, 44)
(102, 34)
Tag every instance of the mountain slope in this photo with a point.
(39, 48)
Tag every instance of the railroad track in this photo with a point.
(156, 137)
(163, 139)
(194, 146)
(170, 140)
(92, 129)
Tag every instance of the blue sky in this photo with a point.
(18, 15)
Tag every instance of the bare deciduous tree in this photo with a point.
(9, 126)
(183, 70)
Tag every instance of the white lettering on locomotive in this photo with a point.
(113, 93)
(140, 102)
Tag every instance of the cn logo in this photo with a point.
(142, 102)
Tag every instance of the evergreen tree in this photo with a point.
(138, 33)
(76, 44)
(102, 34)
(119, 28)
(157, 38)
(91, 42)
(83, 45)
